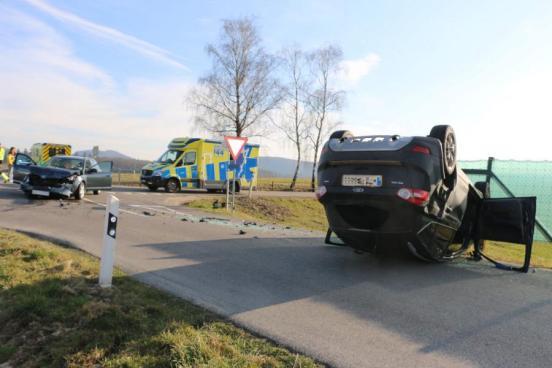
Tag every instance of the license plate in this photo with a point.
(43, 193)
(372, 181)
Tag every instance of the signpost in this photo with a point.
(235, 146)
(109, 242)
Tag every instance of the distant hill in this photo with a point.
(273, 167)
(102, 154)
(280, 167)
(121, 162)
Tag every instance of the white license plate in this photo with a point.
(43, 193)
(372, 181)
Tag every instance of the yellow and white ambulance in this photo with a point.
(41, 153)
(202, 164)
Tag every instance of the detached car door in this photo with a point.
(510, 220)
(21, 167)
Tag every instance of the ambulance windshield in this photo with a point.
(169, 157)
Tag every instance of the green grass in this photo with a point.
(514, 253)
(283, 184)
(53, 314)
(305, 213)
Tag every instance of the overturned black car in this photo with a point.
(382, 189)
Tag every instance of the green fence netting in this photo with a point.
(523, 178)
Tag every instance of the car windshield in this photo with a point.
(169, 157)
(67, 163)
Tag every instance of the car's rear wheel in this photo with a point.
(153, 188)
(172, 186)
(446, 135)
(341, 134)
(80, 192)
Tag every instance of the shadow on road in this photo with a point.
(458, 308)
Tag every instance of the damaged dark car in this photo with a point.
(378, 190)
(63, 176)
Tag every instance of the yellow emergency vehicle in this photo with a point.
(201, 163)
(41, 153)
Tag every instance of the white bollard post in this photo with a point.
(109, 242)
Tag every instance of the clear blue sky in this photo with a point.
(115, 73)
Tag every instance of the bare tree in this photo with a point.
(294, 115)
(240, 90)
(325, 98)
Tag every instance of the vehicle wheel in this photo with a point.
(96, 192)
(153, 188)
(341, 134)
(484, 188)
(80, 192)
(446, 135)
(172, 186)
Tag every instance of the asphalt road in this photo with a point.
(344, 309)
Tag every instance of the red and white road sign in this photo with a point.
(235, 145)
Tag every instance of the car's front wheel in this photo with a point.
(80, 192)
(445, 134)
(341, 134)
(172, 186)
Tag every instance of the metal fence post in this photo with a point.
(489, 171)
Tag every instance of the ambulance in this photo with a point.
(196, 163)
(41, 153)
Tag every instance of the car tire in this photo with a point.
(96, 192)
(341, 134)
(80, 192)
(445, 134)
(152, 188)
(172, 186)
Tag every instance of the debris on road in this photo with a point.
(218, 204)
(242, 232)
(148, 213)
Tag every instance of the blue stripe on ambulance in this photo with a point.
(222, 170)
(194, 172)
(250, 163)
(181, 172)
(210, 172)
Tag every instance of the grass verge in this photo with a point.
(305, 213)
(52, 314)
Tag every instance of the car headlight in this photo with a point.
(72, 178)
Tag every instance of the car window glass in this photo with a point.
(23, 160)
(66, 163)
(169, 157)
(189, 158)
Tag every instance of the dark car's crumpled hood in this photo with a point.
(51, 172)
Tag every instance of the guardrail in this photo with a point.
(489, 176)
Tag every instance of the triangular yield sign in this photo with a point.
(235, 145)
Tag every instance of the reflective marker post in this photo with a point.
(109, 241)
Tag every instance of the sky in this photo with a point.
(116, 74)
